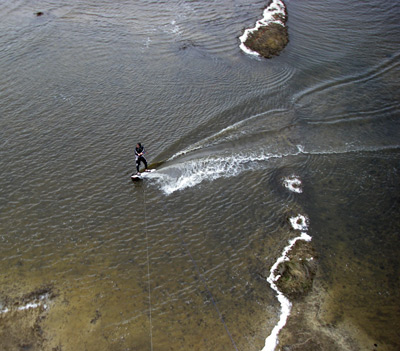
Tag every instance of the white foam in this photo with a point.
(29, 305)
(4, 310)
(293, 183)
(185, 174)
(299, 222)
(33, 304)
(270, 15)
(272, 340)
(172, 28)
(189, 173)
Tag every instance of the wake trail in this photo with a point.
(375, 72)
(180, 175)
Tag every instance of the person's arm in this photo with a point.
(142, 152)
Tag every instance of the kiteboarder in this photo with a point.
(139, 152)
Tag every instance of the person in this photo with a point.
(139, 152)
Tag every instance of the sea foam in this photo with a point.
(293, 183)
(298, 222)
(184, 174)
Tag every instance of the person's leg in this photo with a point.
(145, 162)
(139, 160)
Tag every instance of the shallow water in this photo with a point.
(87, 80)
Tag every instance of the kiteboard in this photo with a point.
(142, 175)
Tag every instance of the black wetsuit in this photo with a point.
(140, 150)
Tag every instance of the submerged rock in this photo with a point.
(22, 317)
(297, 273)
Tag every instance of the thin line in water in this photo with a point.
(148, 269)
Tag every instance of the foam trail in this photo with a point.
(189, 173)
(272, 340)
(229, 133)
(272, 14)
(299, 222)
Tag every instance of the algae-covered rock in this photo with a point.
(270, 35)
(269, 40)
(297, 273)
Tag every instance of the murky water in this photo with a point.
(183, 254)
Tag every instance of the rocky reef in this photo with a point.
(296, 274)
(270, 35)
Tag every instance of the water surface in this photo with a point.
(83, 83)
